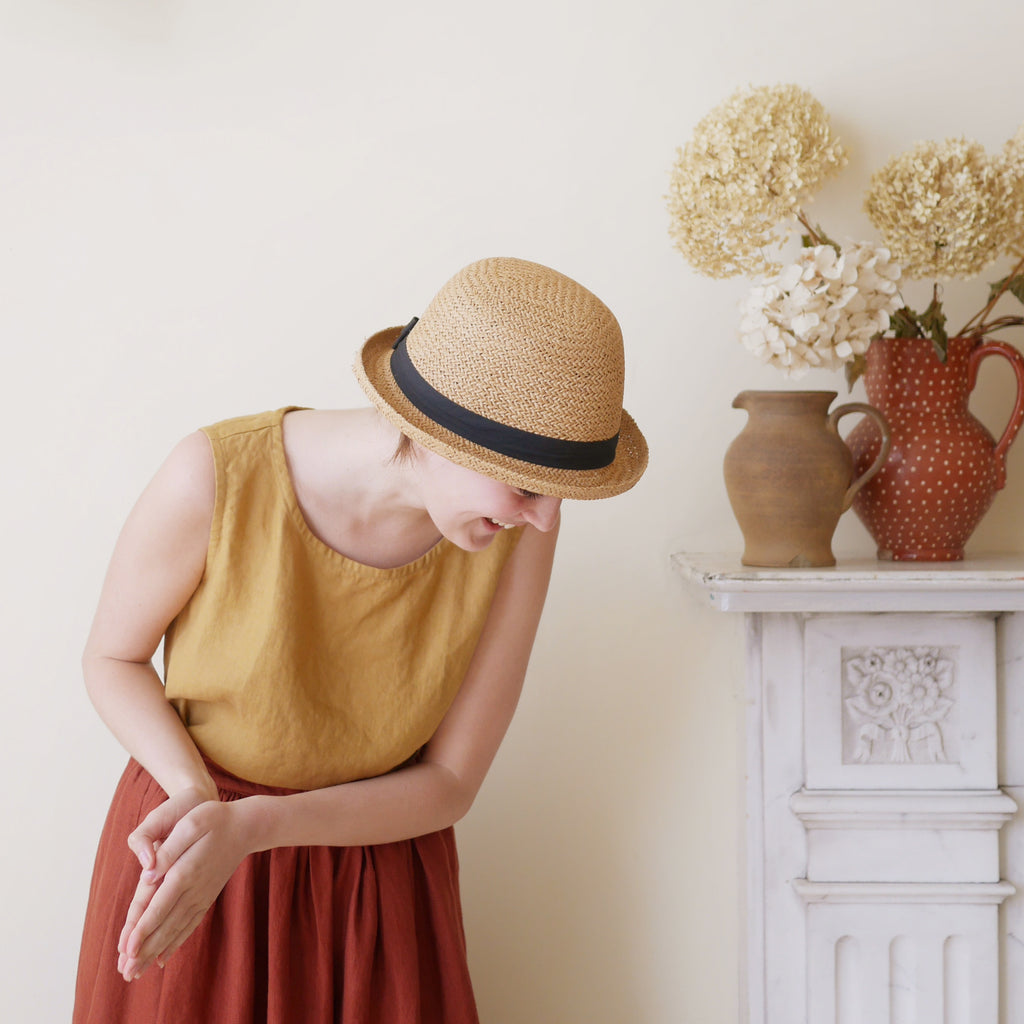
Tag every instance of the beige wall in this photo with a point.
(205, 206)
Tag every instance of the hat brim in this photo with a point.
(373, 371)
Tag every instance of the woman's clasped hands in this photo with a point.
(188, 848)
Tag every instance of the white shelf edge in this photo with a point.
(989, 583)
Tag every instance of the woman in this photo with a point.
(348, 600)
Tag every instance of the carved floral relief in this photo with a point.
(900, 705)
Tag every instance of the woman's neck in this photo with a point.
(355, 496)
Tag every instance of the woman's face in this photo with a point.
(470, 509)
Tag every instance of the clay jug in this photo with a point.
(790, 475)
(945, 467)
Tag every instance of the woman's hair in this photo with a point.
(405, 450)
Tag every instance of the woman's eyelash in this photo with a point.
(526, 494)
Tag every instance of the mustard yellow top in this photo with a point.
(292, 665)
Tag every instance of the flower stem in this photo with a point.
(812, 234)
(980, 316)
(1001, 323)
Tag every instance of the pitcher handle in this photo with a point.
(869, 410)
(1016, 360)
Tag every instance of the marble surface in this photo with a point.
(984, 583)
(883, 775)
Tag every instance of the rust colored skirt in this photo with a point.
(300, 935)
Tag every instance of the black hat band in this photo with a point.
(536, 449)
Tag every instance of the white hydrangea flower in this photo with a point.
(822, 310)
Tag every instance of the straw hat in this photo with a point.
(514, 371)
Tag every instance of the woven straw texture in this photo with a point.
(525, 346)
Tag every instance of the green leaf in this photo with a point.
(933, 323)
(854, 370)
(1014, 285)
(826, 240)
(905, 323)
(808, 242)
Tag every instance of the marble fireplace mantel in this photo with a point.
(884, 771)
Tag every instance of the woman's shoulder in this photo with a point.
(187, 477)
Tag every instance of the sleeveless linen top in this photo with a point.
(292, 665)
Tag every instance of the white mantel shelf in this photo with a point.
(988, 583)
(884, 870)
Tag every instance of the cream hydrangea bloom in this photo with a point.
(944, 209)
(821, 310)
(739, 182)
(1012, 163)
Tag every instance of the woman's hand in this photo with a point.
(144, 842)
(190, 867)
(157, 825)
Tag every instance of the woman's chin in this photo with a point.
(475, 535)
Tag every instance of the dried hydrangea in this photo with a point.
(1013, 167)
(740, 181)
(822, 310)
(944, 209)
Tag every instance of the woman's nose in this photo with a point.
(542, 512)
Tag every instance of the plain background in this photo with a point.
(205, 207)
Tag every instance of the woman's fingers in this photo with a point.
(143, 895)
(156, 928)
(189, 928)
(185, 834)
(159, 823)
(153, 828)
(171, 931)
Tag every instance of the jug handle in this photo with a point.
(1011, 355)
(869, 410)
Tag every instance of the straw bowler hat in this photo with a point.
(514, 371)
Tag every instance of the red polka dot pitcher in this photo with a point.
(944, 467)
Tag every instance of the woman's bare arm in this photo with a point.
(156, 565)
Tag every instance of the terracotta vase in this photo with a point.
(790, 475)
(944, 467)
